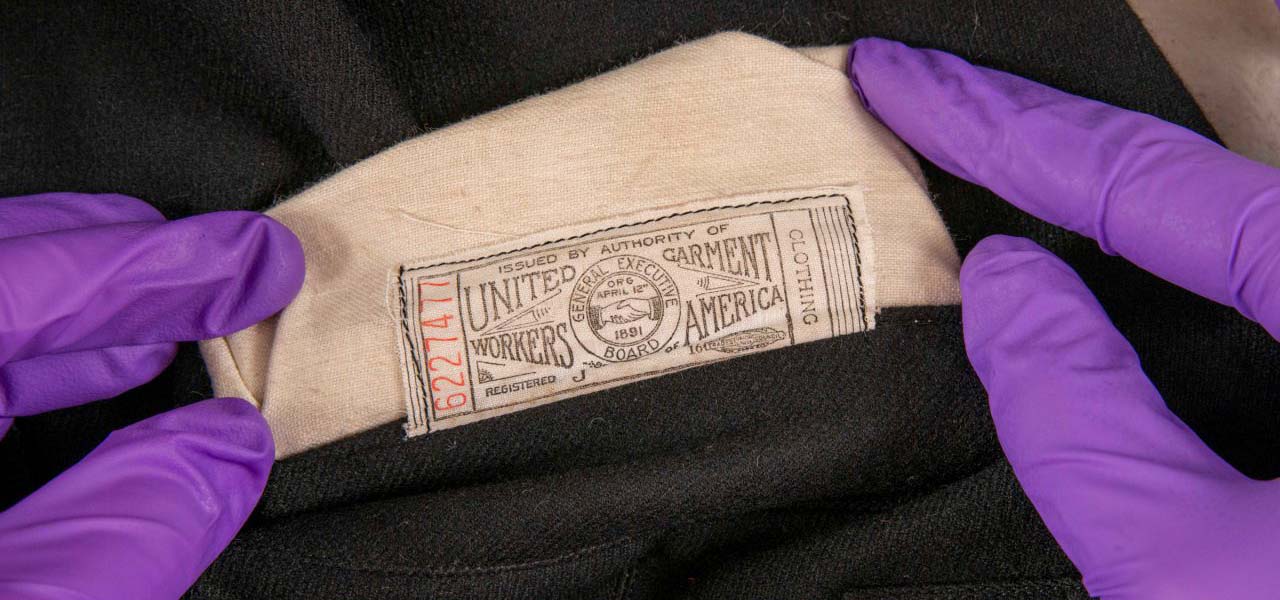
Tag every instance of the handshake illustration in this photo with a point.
(625, 311)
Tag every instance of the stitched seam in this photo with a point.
(857, 263)
(408, 338)
(400, 277)
(606, 229)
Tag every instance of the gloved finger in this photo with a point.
(143, 283)
(51, 381)
(144, 513)
(5, 423)
(54, 381)
(1124, 486)
(1167, 199)
(55, 211)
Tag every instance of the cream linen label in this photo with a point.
(569, 312)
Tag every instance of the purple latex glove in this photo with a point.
(1140, 505)
(94, 292)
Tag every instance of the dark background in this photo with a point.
(237, 104)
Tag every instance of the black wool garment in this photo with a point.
(890, 485)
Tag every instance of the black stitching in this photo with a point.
(857, 262)
(408, 334)
(408, 338)
(645, 222)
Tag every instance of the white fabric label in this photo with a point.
(569, 312)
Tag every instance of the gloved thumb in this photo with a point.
(143, 514)
(1130, 492)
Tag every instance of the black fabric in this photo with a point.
(863, 466)
(863, 461)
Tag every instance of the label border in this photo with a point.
(425, 424)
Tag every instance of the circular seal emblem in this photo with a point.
(624, 307)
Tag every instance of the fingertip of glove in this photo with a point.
(229, 429)
(266, 261)
(864, 61)
(273, 241)
(1000, 258)
(234, 419)
(285, 256)
(851, 70)
(154, 504)
(1008, 286)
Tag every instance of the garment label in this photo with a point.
(575, 311)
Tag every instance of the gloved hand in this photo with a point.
(1140, 505)
(94, 292)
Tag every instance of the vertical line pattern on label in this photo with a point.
(851, 276)
(842, 284)
(856, 279)
(411, 353)
(466, 351)
(826, 277)
(857, 263)
(842, 267)
(832, 269)
(821, 240)
(846, 268)
(782, 269)
(419, 360)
